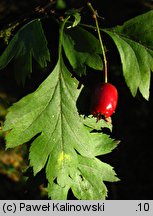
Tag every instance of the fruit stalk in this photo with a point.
(100, 39)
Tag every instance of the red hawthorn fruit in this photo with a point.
(104, 100)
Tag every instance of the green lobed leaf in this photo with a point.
(50, 113)
(135, 45)
(29, 42)
(60, 141)
(82, 49)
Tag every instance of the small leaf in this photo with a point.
(82, 49)
(135, 45)
(77, 17)
(28, 42)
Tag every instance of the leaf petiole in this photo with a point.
(61, 35)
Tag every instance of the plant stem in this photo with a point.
(100, 39)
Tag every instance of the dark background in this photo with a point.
(133, 159)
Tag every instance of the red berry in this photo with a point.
(104, 100)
